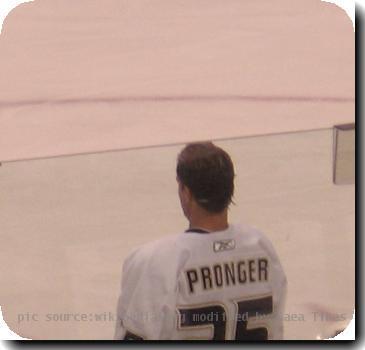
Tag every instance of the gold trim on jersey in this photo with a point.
(256, 324)
(128, 330)
(199, 327)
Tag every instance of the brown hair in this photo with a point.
(208, 172)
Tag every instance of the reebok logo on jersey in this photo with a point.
(227, 244)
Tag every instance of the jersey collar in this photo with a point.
(196, 230)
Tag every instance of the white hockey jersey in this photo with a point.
(226, 285)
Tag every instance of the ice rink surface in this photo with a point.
(266, 79)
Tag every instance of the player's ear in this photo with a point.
(185, 191)
(188, 194)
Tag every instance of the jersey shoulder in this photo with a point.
(254, 235)
(259, 239)
(164, 254)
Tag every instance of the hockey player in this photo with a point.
(215, 281)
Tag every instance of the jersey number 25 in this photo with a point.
(216, 317)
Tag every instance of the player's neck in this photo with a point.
(209, 222)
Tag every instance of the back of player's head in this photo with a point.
(208, 172)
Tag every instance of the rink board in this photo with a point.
(69, 222)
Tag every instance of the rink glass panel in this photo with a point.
(67, 223)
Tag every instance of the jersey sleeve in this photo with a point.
(146, 306)
(279, 285)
